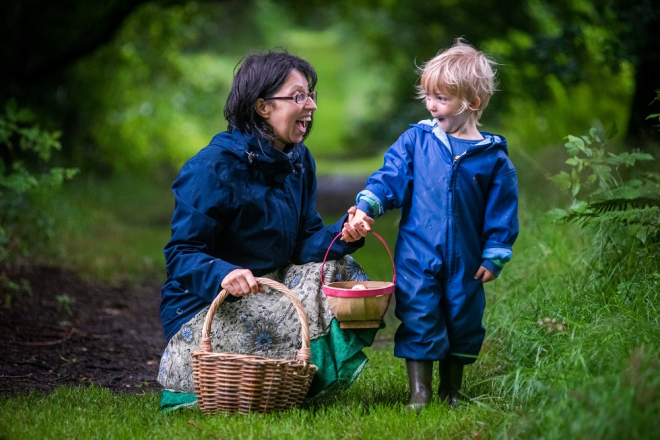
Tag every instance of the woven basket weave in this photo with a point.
(243, 383)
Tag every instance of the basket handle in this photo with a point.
(304, 354)
(377, 236)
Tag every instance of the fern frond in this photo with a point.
(623, 204)
(598, 210)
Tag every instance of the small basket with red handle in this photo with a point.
(362, 306)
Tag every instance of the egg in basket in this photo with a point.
(359, 304)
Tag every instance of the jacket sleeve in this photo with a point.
(501, 218)
(313, 236)
(391, 186)
(197, 219)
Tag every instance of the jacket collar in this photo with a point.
(490, 140)
(274, 164)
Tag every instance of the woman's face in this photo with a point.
(288, 119)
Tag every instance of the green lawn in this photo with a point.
(597, 376)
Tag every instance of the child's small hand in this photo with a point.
(357, 226)
(485, 275)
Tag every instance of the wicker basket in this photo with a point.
(359, 308)
(243, 383)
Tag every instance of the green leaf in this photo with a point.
(5, 135)
(24, 115)
(579, 206)
(70, 173)
(56, 176)
(643, 156)
(655, 115)
(556, 214)
(576, 189)
(603, 171)
(642, 234)
(562, 180)
(612, 131)
(572, 149)
(19, 183)
(576, 141)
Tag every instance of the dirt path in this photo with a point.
(93, 333)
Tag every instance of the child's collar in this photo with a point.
(435, 129)
(432, 126)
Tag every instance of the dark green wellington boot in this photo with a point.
(420, 378)
(443, 389)
(451, 379)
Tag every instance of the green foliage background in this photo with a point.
(573, 325)
(155, 94)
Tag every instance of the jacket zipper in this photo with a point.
(292, 202)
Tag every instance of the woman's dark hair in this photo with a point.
(260, 76)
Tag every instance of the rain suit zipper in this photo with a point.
(450, 210)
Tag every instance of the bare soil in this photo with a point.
(56, 329)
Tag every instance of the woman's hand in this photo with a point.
(357, 226)
(485, 275)
(240, 282)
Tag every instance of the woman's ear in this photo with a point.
(262, 108)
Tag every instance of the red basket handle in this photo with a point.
(377, 236)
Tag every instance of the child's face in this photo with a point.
(445, 109)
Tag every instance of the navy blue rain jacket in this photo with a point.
(240, 203)
(458, 213)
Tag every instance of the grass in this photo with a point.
(596, 377)
(369, 410)
(114, 231)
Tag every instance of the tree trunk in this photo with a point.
(641, 133)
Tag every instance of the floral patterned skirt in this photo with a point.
(267, 325)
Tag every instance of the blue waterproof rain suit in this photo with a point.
(458, 213)
(240, 203)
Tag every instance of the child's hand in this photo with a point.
(485, 275)
(357, 226)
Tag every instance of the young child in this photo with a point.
(458, 195)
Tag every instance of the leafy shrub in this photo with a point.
(623, 209)
(25, 150)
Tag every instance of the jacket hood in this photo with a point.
(274, 164)
(490, 140)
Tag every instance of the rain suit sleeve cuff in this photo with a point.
(366, 207)
(370, 203)
(493, 265)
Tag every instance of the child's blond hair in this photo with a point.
(464, 71)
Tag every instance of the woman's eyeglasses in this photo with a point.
(298, 98)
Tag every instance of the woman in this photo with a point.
(245, 207)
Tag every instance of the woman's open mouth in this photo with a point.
(303, 122)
